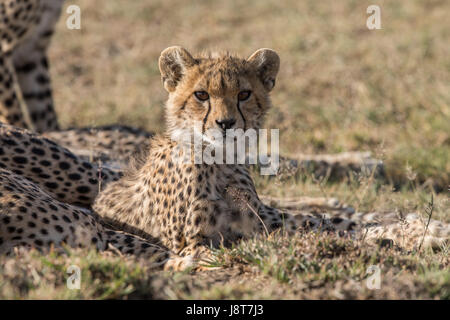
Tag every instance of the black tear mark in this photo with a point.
(206, 116)
(242, 115)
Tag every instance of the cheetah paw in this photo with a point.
(180, 263)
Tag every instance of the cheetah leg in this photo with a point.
(34, 80)
(313, 213)
(159, 256)
(200, 254)
(292, 222)
(410, 233)
(55, 169)
(310, 204)
(301, 214)
(31, 65)
(11, 104)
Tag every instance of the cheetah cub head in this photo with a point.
(217, 91)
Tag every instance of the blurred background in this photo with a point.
(341, 87)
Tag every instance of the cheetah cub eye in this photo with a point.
(201, 95)
(244, 95)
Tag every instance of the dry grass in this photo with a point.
(341, 87)
(307, 266)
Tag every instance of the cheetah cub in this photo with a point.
(189, 206)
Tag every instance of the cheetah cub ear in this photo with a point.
(173, 63)
(267, 63)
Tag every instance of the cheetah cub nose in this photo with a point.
(226, 123)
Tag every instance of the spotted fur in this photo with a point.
(26, 27)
